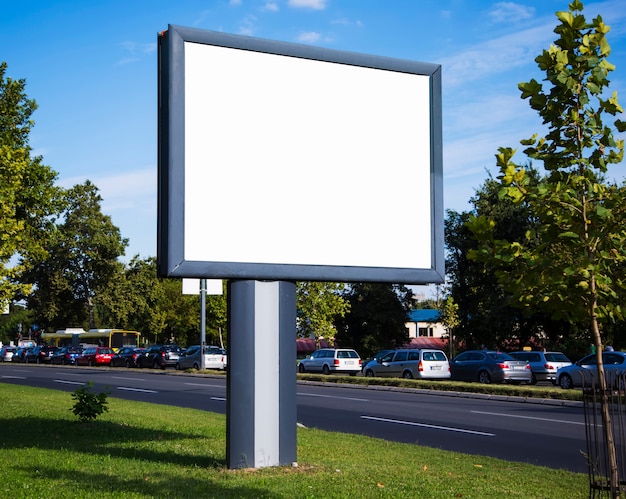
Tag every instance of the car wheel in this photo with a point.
(533, 380)
(407, 375)
(38, 361)
(483, 377)
(127, 363)
(565, 382)
(325, 370)
(90, 363)
(369, 373)
(177, 366)
(301, 368)
(196, 366)
(155, 365)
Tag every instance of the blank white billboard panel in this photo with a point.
(284, 161)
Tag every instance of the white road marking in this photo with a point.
(528, 417)
(205, 385)
(68, 382)
(435, 427)
(220, 399)
(127, 379)
(332, 397)
(14, 377)
(128, 389)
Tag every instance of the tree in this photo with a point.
(28, 196)
(319, 304)
(571, 264)
(81, 260)
(377, 317)
(137, 299)
(486, 312)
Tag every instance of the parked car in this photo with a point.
(127, 357)
(66, 356)
(377, 356)
(543, 365)
(40, 354)
(572, 376)
(160, 356)
(214, 358)
(488, 366)
(95, 356)
(6, 353)
(18, 355)
(411, 363)
(332, 360)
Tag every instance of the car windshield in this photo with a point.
(556, 357)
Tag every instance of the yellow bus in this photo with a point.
(113, 338)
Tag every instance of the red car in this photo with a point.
(95, 356)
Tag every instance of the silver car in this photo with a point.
(489, 366)
(214, 358)
(411, 363)
(572, 376)
(543, 365)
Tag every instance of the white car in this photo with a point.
(411, 363)
(214, 358)
(332, 360)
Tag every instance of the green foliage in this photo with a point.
(319, 304)
(28, 197)
(139, 300)
(88, 404)
(377, 317)
(568, 264)
(81, 262)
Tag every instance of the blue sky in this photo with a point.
(92, 68)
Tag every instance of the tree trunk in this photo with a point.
(604, 407)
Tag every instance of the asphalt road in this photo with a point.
(547, 434)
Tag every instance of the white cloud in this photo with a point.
(309, 37)
(271, 6)
(510, 12)
(347, 22)
(308, 4)
(497, 55)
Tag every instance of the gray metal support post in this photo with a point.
(261, 412)
(202, 322)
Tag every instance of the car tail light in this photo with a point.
(360, 362)
(162, 354)
(527, 366)
(336, 362)
(420, 366)
(503, 365)
(548, 366)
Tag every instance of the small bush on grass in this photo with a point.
(89, 404)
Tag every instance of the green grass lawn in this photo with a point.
(146, 450)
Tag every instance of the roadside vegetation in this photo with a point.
(145, 450)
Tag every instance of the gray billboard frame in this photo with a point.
(171, 259)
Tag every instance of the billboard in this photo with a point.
(284, 161)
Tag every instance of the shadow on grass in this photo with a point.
(165, 485)
(111, 440)
(99, 438)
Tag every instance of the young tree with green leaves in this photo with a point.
(318, 305)
(571, 263)
(29, 199)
